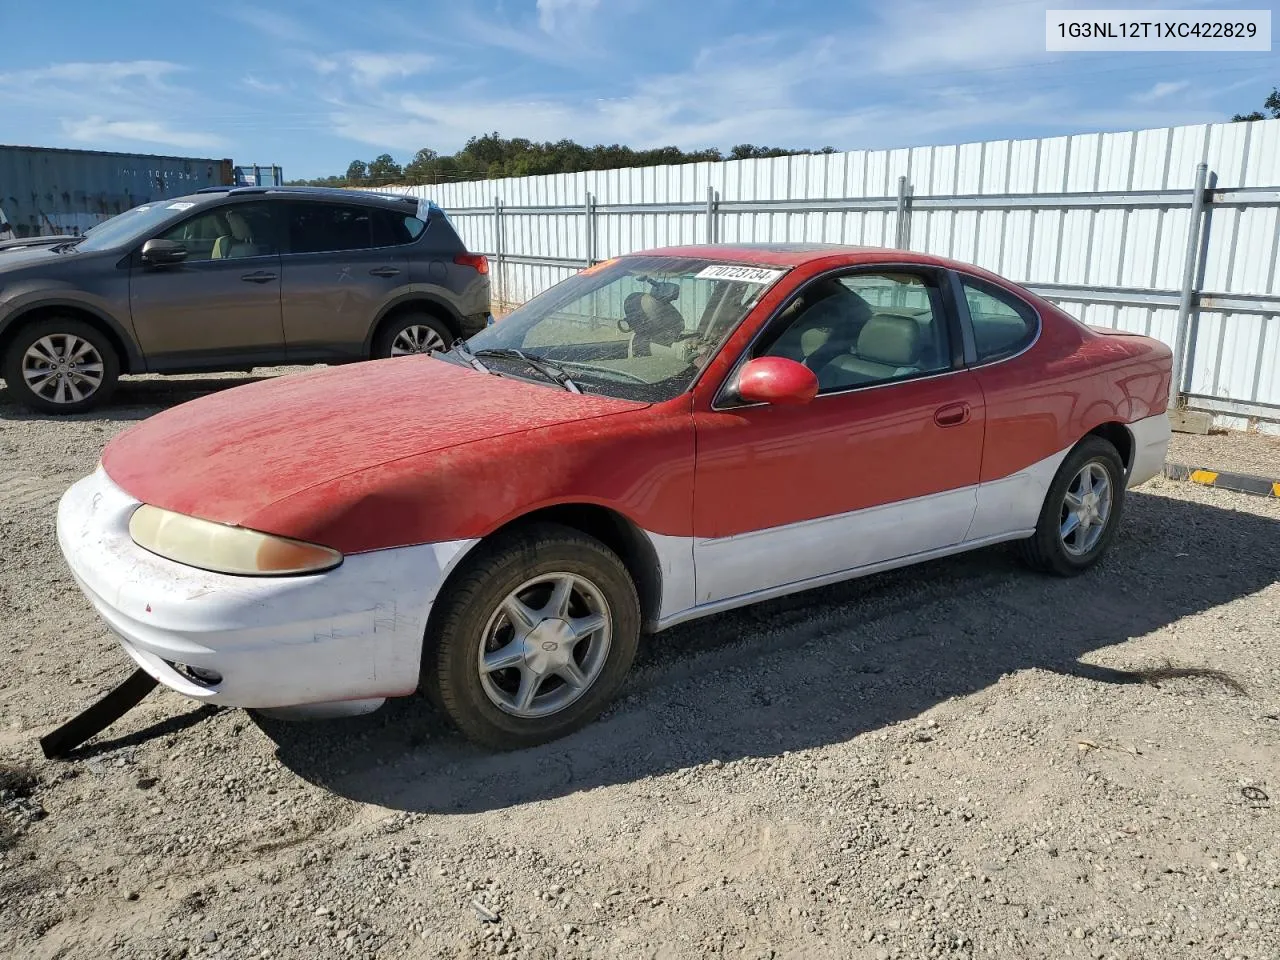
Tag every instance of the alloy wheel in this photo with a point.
(63, 368)
(545, 645)
(1086, 509)
(416, 338)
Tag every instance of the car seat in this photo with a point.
(889, 346)
(239, 243)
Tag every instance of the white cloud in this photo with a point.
(1160, 91)
(554, 13)
(110, 103)
(97, 130)
(370, 69)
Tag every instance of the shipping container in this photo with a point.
(46, 191)
(259, 175)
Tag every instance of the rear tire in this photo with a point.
(510, 680)
(61, 366)
(410, 333)
(1081, 511)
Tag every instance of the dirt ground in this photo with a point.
(958, 760)
(1233, 451)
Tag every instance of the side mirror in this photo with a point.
(776, 380)
(157, 253)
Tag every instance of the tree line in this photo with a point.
(492, 157)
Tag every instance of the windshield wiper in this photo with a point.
(548, 368)
(467, 355)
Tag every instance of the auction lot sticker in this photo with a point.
(1208, 31)
(729, 271)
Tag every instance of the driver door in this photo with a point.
(220, 308)
(882, 464)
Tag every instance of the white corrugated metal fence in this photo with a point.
(1096, 222)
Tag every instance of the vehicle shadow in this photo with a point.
(816, 668)
(137, 399)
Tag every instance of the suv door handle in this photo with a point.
(951, 415)
(262, 276)
(384, 271)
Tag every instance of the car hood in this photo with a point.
(227, 456)
(21, 255)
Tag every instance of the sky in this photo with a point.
(312, 86)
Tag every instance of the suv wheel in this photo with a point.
(412, 333)
(60, 366)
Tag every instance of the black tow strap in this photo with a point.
(91, 722)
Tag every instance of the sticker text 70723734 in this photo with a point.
(733, 271)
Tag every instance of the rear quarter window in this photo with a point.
(1003, 325)
(392, 229)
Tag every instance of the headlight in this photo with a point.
(224, 549)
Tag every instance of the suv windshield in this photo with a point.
(126, 227)
(636, 328)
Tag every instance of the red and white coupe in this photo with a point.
(663, 436)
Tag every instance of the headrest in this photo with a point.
(239, 226)
(890, 340)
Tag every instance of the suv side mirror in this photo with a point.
(156, 253)
(776, 380)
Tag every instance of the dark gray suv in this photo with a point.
(231, 279)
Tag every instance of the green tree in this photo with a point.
(357, 173)
(384, 169)
(1271, 105)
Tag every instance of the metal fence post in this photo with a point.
(711, 214)
(1189, 292)
(902, 226)
(498, 284)
(589, 230)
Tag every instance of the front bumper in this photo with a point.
(352, 633)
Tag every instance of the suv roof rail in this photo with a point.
(222, 189)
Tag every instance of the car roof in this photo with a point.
(372, 197)
(791, 254)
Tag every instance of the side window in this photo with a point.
(225, 233)
(391, 229)
(864, 328)
(329, 227)
(1002, 324)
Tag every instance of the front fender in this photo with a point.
(22, 299)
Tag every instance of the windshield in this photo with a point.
(636, 328)
(124, 228)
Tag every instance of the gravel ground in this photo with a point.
(959, 760)
(1235, 452)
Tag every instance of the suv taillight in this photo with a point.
(477, 260)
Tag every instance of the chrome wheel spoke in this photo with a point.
(558, 603)
(572, 674)
(512, 655)
(583, 627)
(44, 349)
(1070, 525)
(522, 618)
(528, 689)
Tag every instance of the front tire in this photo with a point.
(411, 333)
(61, 366)
(534, 639)
(1081, 511)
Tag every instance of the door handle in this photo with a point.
(951, 415)
(262, 276)
(384, 271)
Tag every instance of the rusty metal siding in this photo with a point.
(50, 191)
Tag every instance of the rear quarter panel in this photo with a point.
(1072, 380)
